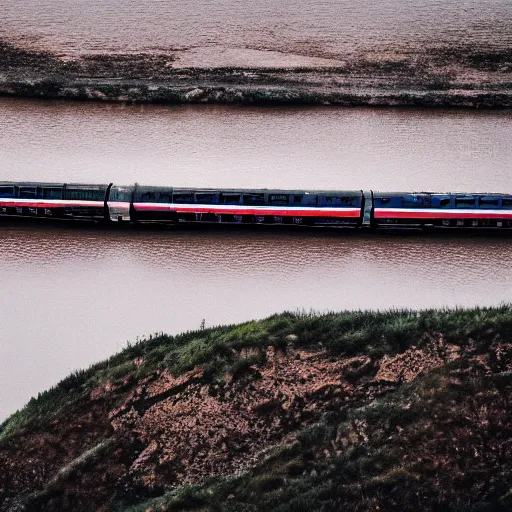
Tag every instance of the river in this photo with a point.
(260, 32)
(72, 296)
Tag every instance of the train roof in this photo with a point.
(401, 194)
(267, 191)
(48, 184)
(249, 190)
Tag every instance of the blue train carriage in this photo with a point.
(53, 200)
(429, 210)
(247, 206)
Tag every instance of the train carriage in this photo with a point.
(247, 206)
(429, 210)
(53, 200)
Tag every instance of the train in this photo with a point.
(364, 209)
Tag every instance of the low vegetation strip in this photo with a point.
(463, 77)
(343, 411)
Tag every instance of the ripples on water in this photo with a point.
(74, 296)
(256, 147)
(70, 297)
(322, 28)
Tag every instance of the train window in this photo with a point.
(417, 200)
(230, 198)
(84, 194)
(507, 201)
(338, 200)
(486, 202)
(254, 199)
(52, 193)
(28, 193)
(147, 197)
(207, 198)
(278, 199)
(6, 191)
(464, 202)
(444, 203)
(165, 197)
(123, 194)
(297, 199)
(187, 197)
(385, 200)
(152, 195)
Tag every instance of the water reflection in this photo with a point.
(231, 31)
(72, 296)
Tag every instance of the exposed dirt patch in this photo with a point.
(427, 421)
(416, 361)
(460, 77)
(198, 429)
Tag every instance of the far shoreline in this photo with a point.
(465, 78)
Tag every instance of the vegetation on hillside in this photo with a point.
(344, 411)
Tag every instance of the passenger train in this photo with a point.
(140, 204)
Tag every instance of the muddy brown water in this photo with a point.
(219, 146)
(260, 32)
(72, 296)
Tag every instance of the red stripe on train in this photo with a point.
(352, 213)
(443, 215)
(48, 205)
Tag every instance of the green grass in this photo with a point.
(440, 442)
(396, 465)
(219, 350)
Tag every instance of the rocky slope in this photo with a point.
(439, 77)
(349, 411)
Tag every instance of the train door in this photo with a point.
(119, 203)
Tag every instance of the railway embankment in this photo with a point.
(462, 77)
(354, 411)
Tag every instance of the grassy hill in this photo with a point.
(352, 411)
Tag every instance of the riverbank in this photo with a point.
(455, 77)
(365, 411)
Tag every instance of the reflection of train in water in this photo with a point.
(354, 209)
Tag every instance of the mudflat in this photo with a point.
(463, 77)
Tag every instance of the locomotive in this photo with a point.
(139, 204)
